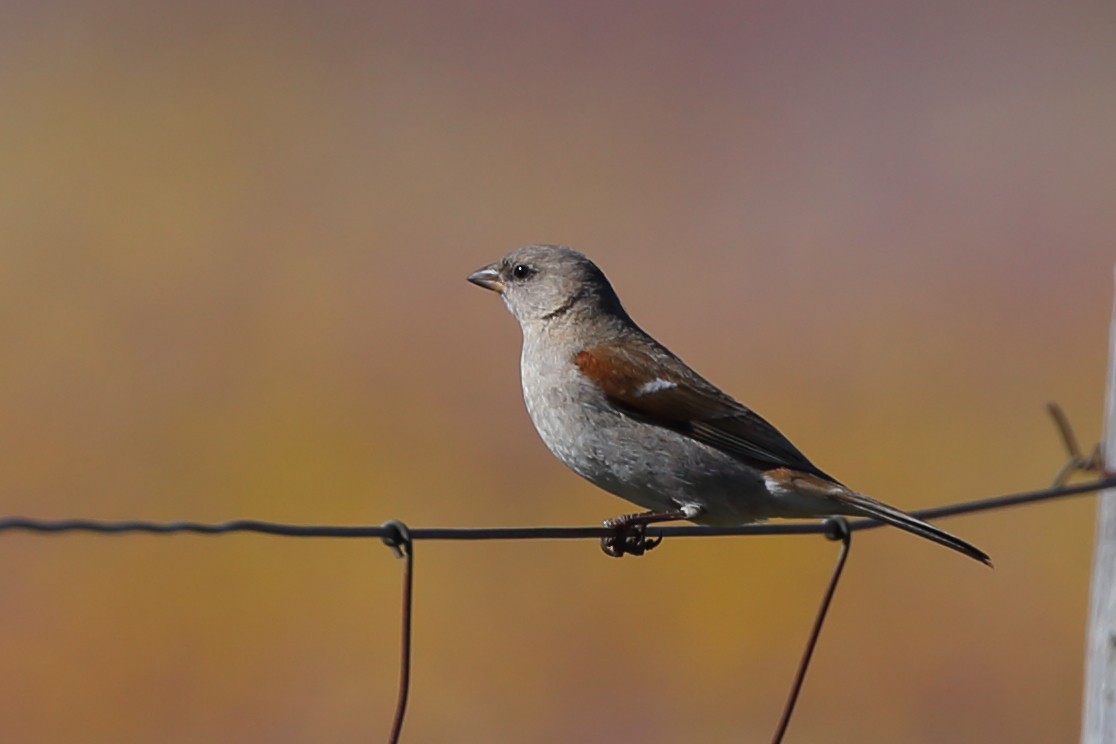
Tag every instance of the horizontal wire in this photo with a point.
(526, 533)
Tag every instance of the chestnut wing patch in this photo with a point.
(655, 386)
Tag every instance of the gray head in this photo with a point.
(545, 283)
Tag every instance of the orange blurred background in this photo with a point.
(234, 243)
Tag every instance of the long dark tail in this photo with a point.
(868, 506)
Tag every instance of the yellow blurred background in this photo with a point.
(234, 243)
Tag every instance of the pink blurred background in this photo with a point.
(235, 242)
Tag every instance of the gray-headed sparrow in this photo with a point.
(621, 410)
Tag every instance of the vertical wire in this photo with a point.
(838, 529)
(400, 541)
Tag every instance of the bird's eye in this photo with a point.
(522, 271)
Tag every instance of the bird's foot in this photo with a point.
(629, 537)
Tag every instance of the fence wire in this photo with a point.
(9, 524)
(401, 539)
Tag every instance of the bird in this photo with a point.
(628, 415)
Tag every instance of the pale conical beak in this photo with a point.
(488, 277)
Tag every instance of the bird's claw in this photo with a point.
(628, 538)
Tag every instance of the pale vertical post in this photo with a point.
(1099, 724)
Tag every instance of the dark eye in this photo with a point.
(522, 271)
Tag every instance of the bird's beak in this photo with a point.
(488, 277)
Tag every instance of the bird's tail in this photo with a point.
(868, 506)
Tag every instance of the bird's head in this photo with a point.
(542, 284)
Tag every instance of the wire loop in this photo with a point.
(397, 536)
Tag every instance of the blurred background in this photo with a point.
(235, 241)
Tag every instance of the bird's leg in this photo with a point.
(630, 537)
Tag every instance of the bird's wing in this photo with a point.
(652, 384)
